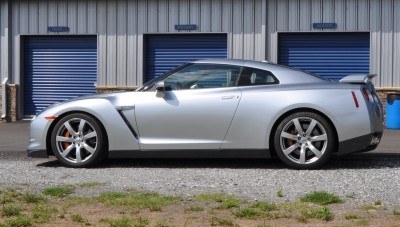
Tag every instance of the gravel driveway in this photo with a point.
(367, 177)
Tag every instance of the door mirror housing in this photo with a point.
(160, 86)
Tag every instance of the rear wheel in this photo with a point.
(78, 140)
(304, 140)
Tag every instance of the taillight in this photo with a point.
(355, 99)
(367, 94)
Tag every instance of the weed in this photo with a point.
(33, 198)
(279, 193)
(321, 198)
(264, 206)
(42, 213)
(216, 221)
(248, 213)
(194, 208)
(396, 212)
(161, 223)
(59, 191)
(351, 196)
(351, 216)
(152, 201)
(78, 218)
(128, 222)
(378, 203)
(11, 210)
(18, 221)
(228, 203)
(324, 213)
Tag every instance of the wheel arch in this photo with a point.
(53, 124)
(296, 110)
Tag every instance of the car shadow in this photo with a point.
(354, 161)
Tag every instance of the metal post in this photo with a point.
(4, 98)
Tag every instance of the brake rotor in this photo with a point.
(66, 144)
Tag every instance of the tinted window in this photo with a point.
(251, 77)
(203, 76)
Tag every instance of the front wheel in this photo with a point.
(304, 140)
(78, 140)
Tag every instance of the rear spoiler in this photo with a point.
(358, 79)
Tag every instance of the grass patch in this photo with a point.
(362, 223)
(351, 196)
(152, 201)
(91, 184)
(216, 221)
(42, 213)
(11, 210)
(321, 198)
(264, 206)
(351, 216)
(8, 196)
(59, 191)
(78, 218)
(33, 198)
(396, 212)
(324, 213)
(368, 207)
(18, 221)
(248, 213)
(128, 222)
(161, 223)
(194, 208)
(225, 201)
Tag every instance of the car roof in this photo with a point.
(286, 75)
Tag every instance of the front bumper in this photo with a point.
(37, 153)
(364, 143)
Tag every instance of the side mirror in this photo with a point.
(160, 86)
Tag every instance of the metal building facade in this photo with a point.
(252, 28)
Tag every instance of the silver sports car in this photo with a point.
(216, 108)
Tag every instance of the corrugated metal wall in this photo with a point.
(120, 26)
(380, 17)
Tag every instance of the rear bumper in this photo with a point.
(364, 143)
(37, 153)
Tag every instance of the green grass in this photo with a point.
(217, 221)
(42, 213)
(194, 208)
(279, 193)
(368, 207)
(248, 213)
(33, 198)
(78, 218)
(351, 216)
(59, 191)
(321, 198)
(128, 222)
(322, 213)
(225, 201)
(351, 196)
(91, 184)
(19, 221)
(264, 206)
(11, 210)
(396, 212)
(152, 201)
(161, 223)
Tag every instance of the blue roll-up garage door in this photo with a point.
(58, 68)
(331, 55)
(165, 52)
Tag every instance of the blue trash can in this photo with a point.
(393, 111)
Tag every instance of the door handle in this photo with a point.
(230, 97)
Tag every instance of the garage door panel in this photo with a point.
(332, 55)
(165, 52)
(57, 69)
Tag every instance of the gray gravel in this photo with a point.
(367, 177)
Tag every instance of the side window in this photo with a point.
(203, 76)
(252, 76)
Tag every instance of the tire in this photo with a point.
(302, 147)
(78, 140)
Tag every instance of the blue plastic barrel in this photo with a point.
(393, 111)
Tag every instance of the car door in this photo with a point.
(194, 112)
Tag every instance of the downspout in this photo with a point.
(4, 98)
